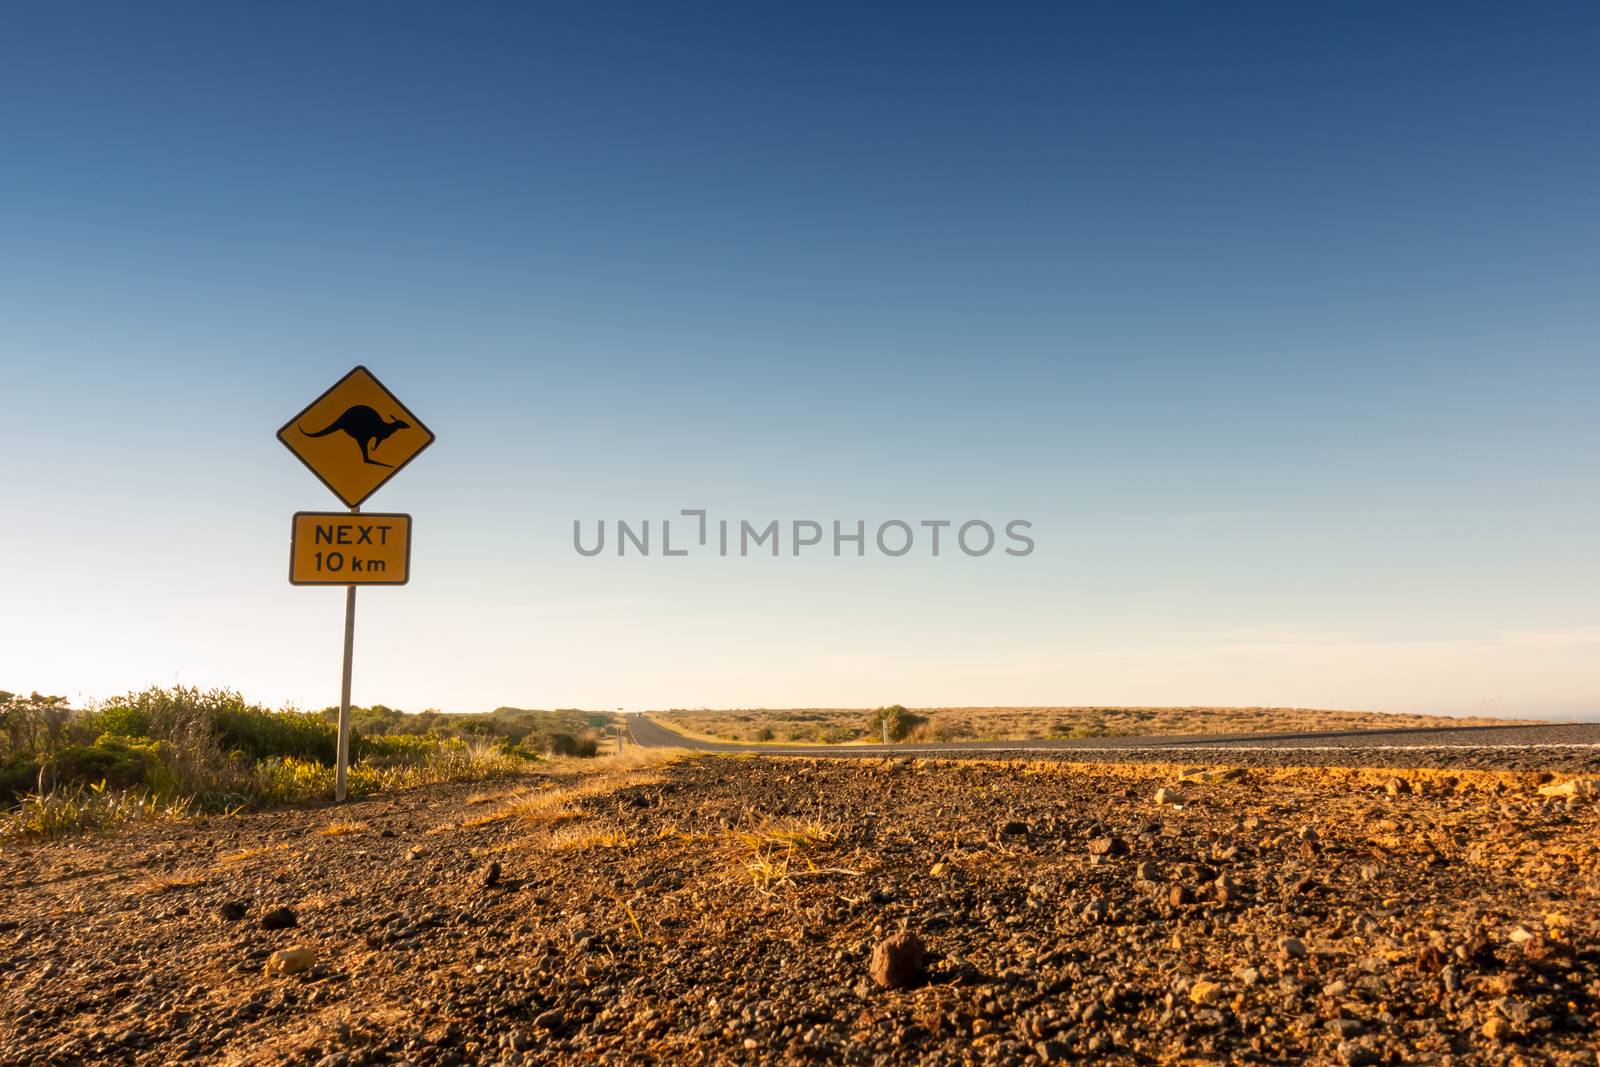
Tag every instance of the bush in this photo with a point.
(899, 721)
(563, 744)
(765, 734)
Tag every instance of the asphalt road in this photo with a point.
(1556, 747)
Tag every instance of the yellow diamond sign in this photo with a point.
(355, 436)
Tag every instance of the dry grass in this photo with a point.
(551, 806)
(814, 725)
(339, 829)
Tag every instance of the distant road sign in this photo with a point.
(356, 436)
(350, 548)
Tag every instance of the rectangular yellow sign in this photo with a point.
(345, 548)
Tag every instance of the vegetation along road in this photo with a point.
(1555, 746)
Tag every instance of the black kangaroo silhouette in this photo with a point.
(366, 427)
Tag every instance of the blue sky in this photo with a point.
(1277, 322)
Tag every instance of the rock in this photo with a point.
(1053, 1051)
(1397, 787)
(1108, 846)
(1014, 829)
(1308, 833)
(1192, 774)
(897, 962)
(1203, 992)
(1292, 947)
(279, 919)
(1230, 774)
(1346, 1029)
(1168, 797)
(1227, 888)
(291, 960)
(1575, 787)
(550, 1020)
(1354, 1054)
(1096, 910)
(1497, 1029)
(1147, 872)
(491, 874)
(414, 852)
(1180, 894)
(233, 910)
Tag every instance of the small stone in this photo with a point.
(233, 910)
(1147, 872)
(897, 962)
(491, 874)
(1346, 1029)
(1203, 992)
(1397, 787)
(1308, 833)
(1497, 1029)
(1192, 774)
(1168, 797)
(1014, 829)
(1053, 1051)
(1108, 846)
(414, 852)
(1180, 894)
(1096, 910)
(550, 1020)
(291, 960)
(279, 919)
(1227, 888)
(1292, 947)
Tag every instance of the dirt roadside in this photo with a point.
(725, 910)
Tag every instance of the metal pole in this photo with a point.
(344, 690)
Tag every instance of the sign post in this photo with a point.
(354, 438)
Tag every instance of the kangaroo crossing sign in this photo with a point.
(355, 437)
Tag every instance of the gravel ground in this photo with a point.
(736, 910)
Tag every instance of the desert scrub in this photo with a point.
(296, 781)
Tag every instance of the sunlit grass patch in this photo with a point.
(339, 829)
(167, 883)
(783, 833)
(244, 855)
(585, 840)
